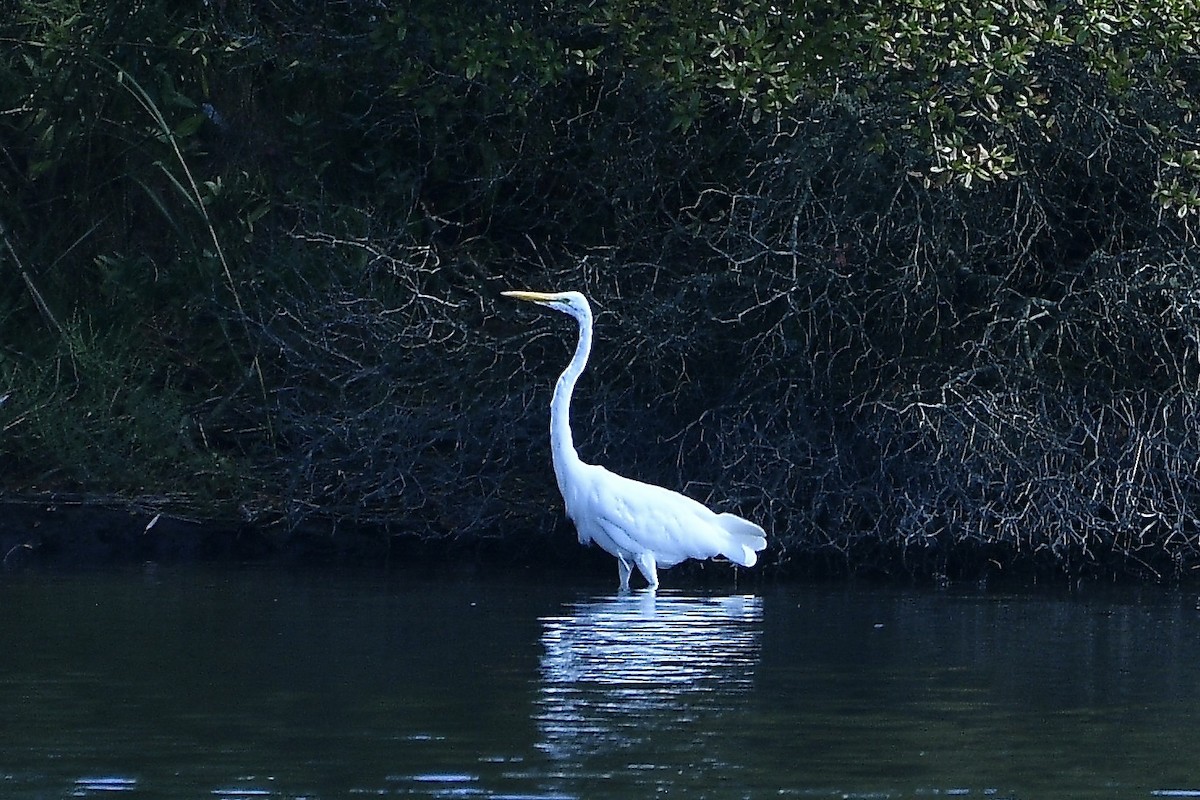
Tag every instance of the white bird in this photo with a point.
(639, 523)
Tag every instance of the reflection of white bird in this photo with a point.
(637, 522)
(624, 673)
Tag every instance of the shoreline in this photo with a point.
(60, 531)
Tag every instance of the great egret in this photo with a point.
(639, 523)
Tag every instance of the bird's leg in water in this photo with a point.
(624, 568)
(646, 565)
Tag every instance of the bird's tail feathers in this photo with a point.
(748, 557)
(748, 539)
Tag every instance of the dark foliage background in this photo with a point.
(914, 284)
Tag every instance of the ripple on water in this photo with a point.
(97, 784)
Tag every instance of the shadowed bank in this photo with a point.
(914, 289)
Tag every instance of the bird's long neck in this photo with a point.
(562, 447)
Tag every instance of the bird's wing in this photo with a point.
(640, 516)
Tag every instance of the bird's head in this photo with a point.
(572, 303)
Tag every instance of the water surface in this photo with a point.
(187, 683)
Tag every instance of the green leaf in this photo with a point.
(189, 126)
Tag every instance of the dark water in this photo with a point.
(275, 684)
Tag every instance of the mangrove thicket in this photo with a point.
(915, 284)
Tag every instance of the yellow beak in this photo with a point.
(534, 297)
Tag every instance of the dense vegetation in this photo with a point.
(915, 284)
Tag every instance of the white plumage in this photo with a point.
(643, 525)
